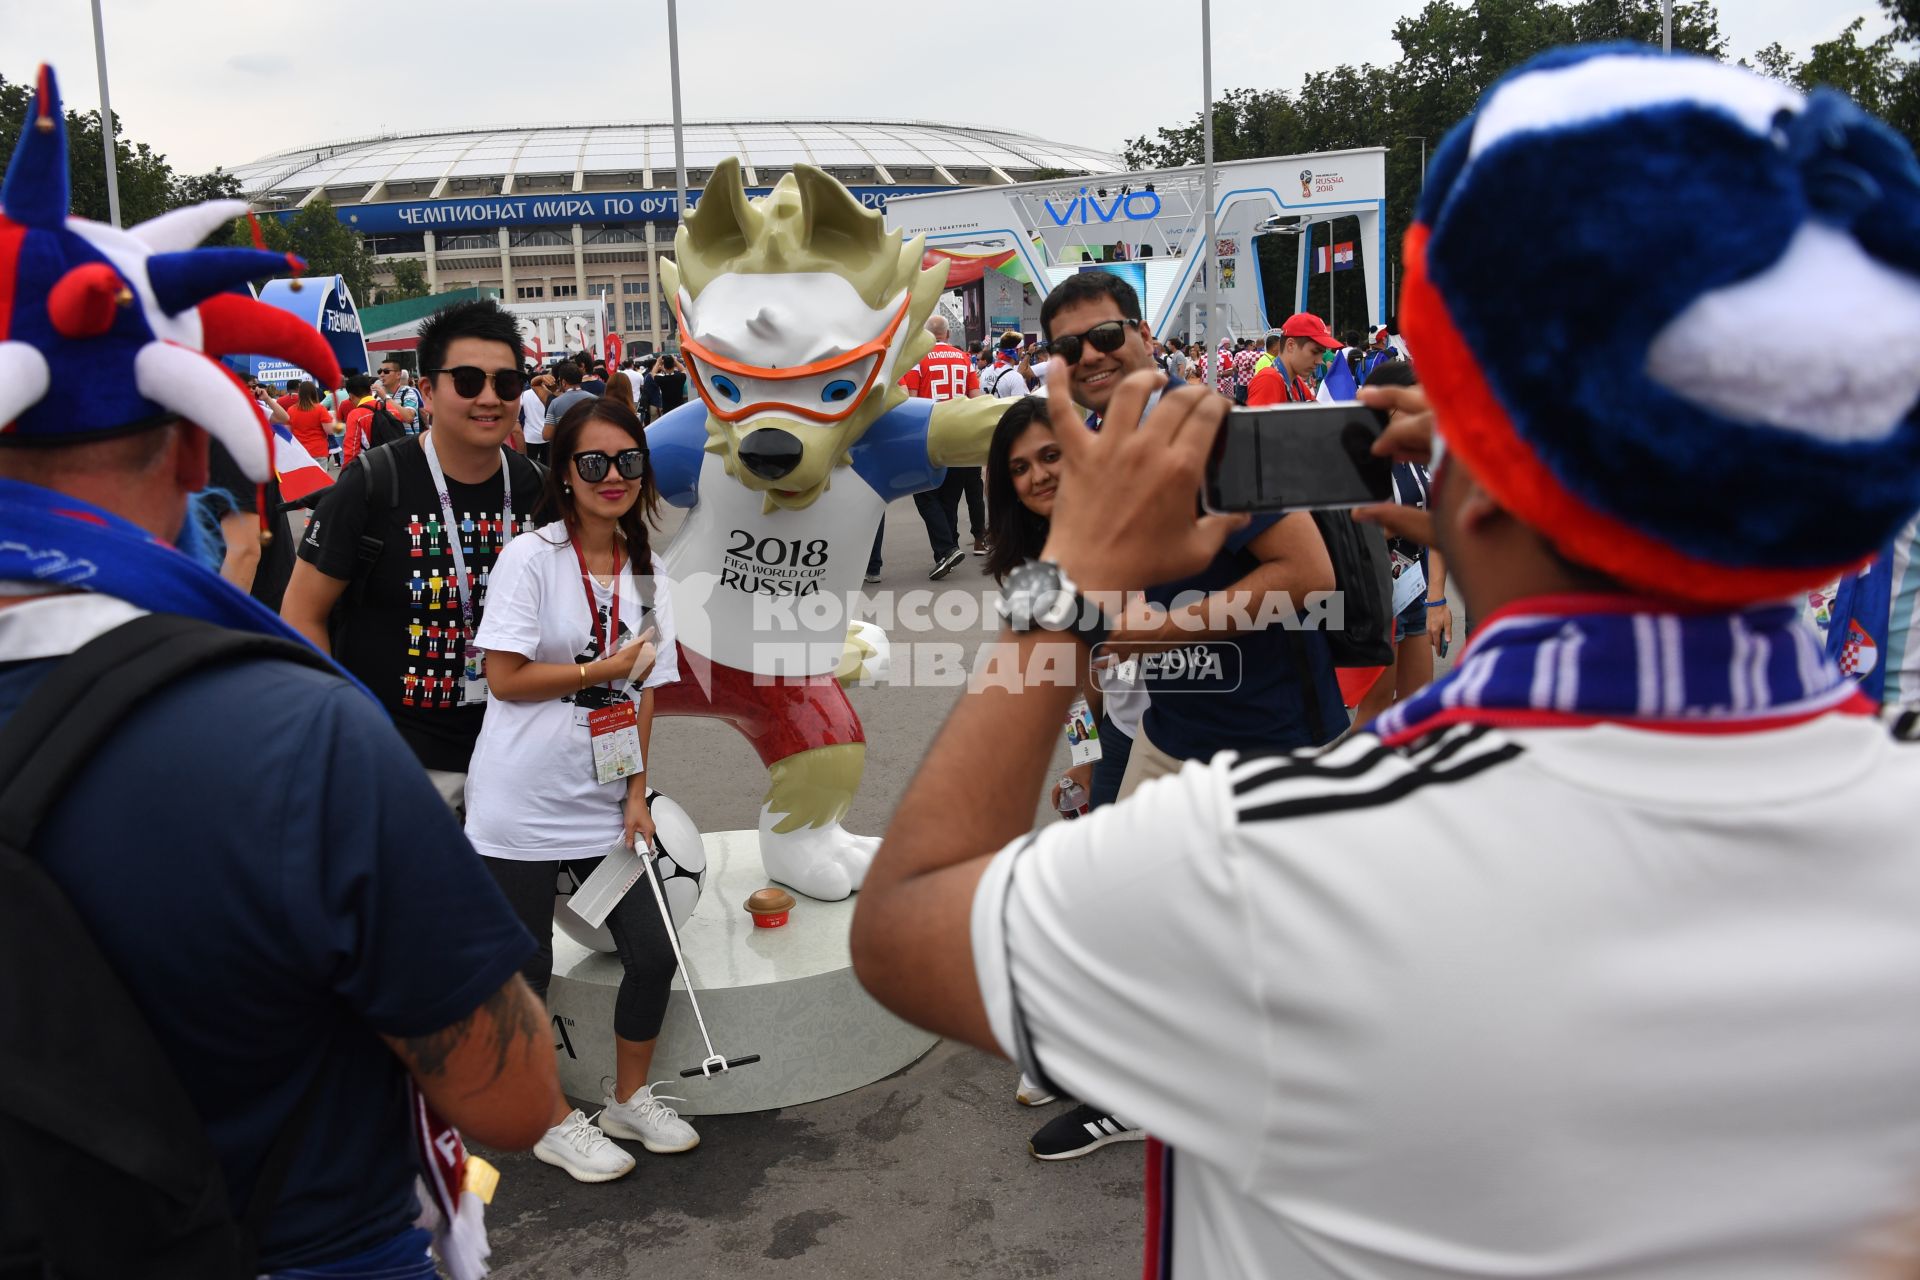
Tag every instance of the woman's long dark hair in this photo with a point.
(556, 500)
(309, 395)
(1014, 534)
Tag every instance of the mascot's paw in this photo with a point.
(826, 863)
(867, 658)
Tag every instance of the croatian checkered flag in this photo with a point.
(1857, 636)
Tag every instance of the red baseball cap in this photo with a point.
(1305, 324)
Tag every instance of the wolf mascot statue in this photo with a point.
(799, 314)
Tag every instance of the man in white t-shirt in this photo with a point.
(1004, 379)
(1599, 954)
(533, 415)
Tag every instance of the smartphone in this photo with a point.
(1297, 457)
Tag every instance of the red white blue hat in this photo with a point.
(1668, 312)
(104, 331)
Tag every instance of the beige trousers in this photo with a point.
(1145, 764)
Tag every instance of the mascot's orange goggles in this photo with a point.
(821, 391)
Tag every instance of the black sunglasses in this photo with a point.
(467, 381)
(592, 464)
(1108, 336)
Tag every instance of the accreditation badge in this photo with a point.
(615, 732)
(473, 677)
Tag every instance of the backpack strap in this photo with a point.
(59, 725)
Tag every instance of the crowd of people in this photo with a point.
(1592, 954)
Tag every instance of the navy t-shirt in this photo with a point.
(275, 880)
(1246, 691)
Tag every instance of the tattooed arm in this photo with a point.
(492, 1074)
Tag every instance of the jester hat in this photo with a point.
(104, 332)
(1668, 312)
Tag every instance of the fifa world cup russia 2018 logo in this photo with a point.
(1306, 184)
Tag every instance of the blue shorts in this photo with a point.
(1411, 622)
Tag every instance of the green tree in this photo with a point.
(148, 184)
(328, 245)
(409, 280)
(1452, 51)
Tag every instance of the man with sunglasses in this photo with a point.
(1092, 322)
(393, 570)
(399, 399)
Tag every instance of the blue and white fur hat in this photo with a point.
(1668, 313)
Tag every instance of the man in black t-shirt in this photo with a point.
(392, 579)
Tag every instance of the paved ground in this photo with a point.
(925, 1173)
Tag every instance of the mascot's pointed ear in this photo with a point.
(724, 225)
(837, 225)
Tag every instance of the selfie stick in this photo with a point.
(713, 1061)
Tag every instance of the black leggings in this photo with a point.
(646, 955)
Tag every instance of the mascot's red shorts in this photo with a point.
(780, 715)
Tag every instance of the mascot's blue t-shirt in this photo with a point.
(275, 898)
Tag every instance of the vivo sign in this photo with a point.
(1136, 206)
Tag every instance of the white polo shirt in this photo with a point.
(1573, 1001)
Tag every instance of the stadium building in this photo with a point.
(581, 211)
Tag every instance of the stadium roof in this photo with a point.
(584, 156)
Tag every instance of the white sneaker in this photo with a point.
(1031, 1093)
(582, 1150)
(647, 1118)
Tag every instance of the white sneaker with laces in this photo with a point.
(580, 1148)
(1031, 1092)
(647, 1117)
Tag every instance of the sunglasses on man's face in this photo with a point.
(1107, 337)
(592, 464)
(467, 381)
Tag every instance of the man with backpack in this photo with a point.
(236, 1002)
(371, 421)
(393, 569)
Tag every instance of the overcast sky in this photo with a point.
(240, 80)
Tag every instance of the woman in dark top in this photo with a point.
(670, 384)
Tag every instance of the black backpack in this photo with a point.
(383, 428)
(1363, 574)
(105, 1167)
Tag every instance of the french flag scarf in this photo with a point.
(60, 541)
(1578, 660)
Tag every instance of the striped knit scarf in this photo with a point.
(1574, 660)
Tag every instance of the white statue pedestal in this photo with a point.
(787, 994)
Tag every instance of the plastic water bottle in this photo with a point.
(1073, 799)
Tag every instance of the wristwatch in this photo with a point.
(1041, 597)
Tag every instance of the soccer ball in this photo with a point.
(680, 860)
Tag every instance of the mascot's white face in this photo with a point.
(799, 313)
(787, 364)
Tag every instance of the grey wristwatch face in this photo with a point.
(1038, 595)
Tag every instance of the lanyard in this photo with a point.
(593, 606)
(453, 530)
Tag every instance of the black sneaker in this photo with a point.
(947, 563)
(1075, 1133)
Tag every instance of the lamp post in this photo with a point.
(679, 128)
(1206, 132)
(1666, 25)
(106, 117)
(1421, 138)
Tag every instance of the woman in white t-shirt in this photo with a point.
(566, 634)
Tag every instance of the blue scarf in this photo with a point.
(52, 538)
(1585, 659)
